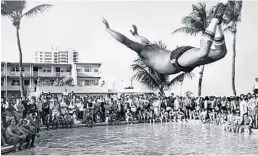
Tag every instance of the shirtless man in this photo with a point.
(184, 58)
(247, 124)
(15, 135)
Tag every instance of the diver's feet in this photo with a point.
(219, 11)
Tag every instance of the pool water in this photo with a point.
(145, 139)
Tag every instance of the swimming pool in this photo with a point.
(145, 139)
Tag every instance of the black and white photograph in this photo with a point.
(85, 77)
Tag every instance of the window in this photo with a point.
(15, 83)
(63, 69)
(68, 69)
(87, 69)
(26, 82)
(2, 81)
(78, 69)
(87, 82)
(52, 82)
(13, 69)
(96, 70)
(94, 82)
(46, 69)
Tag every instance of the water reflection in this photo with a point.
(167, 138)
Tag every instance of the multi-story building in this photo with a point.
(57, 56)
(42, 77)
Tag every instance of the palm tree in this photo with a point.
(15, 11)
(153, 79)
(231, 19)
(196, 23)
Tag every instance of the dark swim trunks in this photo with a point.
(175, 54)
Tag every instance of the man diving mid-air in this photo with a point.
(184, 58)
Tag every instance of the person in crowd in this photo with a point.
(107, 111)
(14, 135)
(32, 107)
(3, 136)
(246, 124)
(9, 111)
(230, 121)
(145, 116)
(243, 106)
(163, 115)
(30, 132)
(19, 109)
(212, 116)
(128, 116)
(45, 111)
(68, 120)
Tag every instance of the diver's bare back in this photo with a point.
(158, 59)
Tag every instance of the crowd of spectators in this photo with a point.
(23, 117)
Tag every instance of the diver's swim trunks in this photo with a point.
(175, 54)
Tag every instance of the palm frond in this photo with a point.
(187, 30)
(161, 44)
(233, 12)
(12, 8)
(180, 78)
(148, 76)
(37, 9)
(144, 77)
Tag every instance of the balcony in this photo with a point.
(88, 74)
(52, 74)
(14, 88)
(13, 73)
(76, 89)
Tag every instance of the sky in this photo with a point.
(78, 25)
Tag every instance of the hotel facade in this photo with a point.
(43, 77)
(57, 56)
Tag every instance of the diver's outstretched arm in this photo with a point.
(141, 39)
(137, 47)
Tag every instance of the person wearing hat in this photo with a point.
(31, 133)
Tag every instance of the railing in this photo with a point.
(64, 74)
(76, 89)
(45, 74)
(89, 74)
(52, 74)
(13, 73)
(14, 88)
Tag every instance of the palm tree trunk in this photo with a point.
(234, 64)
(200, 81)
(161, 90)
(20, 61)
(181, 85)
